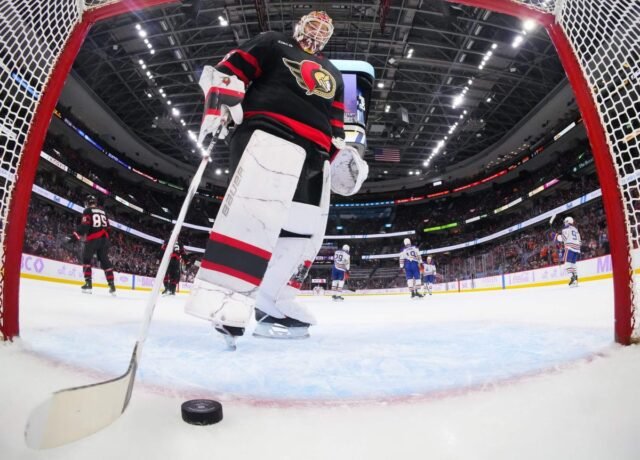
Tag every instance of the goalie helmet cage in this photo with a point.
(596, 42)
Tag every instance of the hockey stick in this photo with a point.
(75, 413)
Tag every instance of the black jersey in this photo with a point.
(178, 251)
(299, 90)
(94, 224)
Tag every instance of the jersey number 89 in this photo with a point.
(100, 220)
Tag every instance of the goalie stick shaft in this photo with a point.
(75, 413)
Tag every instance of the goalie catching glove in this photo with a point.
(348, 171)
(223, 95)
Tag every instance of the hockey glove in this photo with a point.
(348, 171)
(223, 96)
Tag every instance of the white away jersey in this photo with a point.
(341, 260)
(571, 238)
(429, 269)
(410, 253)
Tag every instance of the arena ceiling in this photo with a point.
(425, 53)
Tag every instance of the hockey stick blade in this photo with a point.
(552, 219)
(75, 413)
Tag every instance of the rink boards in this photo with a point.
(41, 268)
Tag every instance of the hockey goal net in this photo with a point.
(38, 43)
(597, 42)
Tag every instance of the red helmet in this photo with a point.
(313, 31)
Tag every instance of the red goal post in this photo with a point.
(596, 42)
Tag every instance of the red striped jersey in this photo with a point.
(94, 224)
(289, 86)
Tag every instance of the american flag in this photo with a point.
(390, 155)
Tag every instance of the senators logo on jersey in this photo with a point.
(312, 78)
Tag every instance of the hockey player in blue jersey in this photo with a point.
(410, 261)
(341, 265)
(570, 237)
(429, 274)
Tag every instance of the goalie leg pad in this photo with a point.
(293, 257)
(246, 229)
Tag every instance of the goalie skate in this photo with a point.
(279, 328)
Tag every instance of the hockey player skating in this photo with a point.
(410, 261)
(341, 266)
(570, 237)
(429, 274)
(287, 101)
(94, 227)
(172, 278)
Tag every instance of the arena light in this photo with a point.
(380, 85)
(138, 26)
(152, 51)
(494, 46)
(141, 62)
(437, 183)
(175, 112)
(387, 108)
(517, 41)
(142, 33)
(459, 99)
(529, 25)
(218, 171)
(223, 21)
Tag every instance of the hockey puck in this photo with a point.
(201, 411)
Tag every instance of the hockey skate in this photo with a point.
(573, 282)
(86, 287)
(419, 295)
(337, 298)
(112, 289)
(279, 328)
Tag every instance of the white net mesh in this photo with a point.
(605, 37)
(33, 34)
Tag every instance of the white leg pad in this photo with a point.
(219, 305)
(246, 230)
(293, 257)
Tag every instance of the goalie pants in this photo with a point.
(100, 247)
(309, 189)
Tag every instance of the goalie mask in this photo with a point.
(313, 31)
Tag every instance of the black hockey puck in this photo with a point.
(201, 411)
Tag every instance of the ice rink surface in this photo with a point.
(518, 374)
